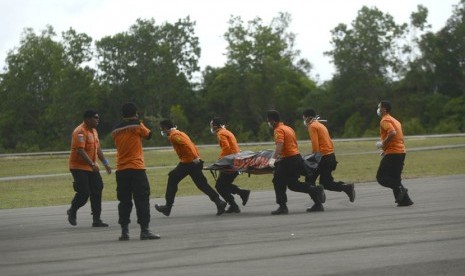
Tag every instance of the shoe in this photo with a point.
(317, 207)
(244, 194)
(220, 206)
(71, 217)
(146, 234)
(124, 233)
(233, 209)
(99, 223)
(401, 195)
(349, 189)
(317, 193)
(405, 203)
(164, 209)
(282, 210)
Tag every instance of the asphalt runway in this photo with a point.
(368, 237)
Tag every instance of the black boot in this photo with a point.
(99, 223)
(244, 194)
(317, 193)
(220, 206)
(349, 189)
(124, 233)
(72, 216)
(164, 209)
(146, 234)
(282, 210)
(402, 193)
(233, 209)
(317, 207)
(406, 201)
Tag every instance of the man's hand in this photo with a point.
(196, 160)
(379, 145)
(271, 162)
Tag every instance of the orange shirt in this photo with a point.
(86, 139)
(128, 141)
(319, 136)
(388, 124)
(183, 146)
(286, 135)
(227, 141)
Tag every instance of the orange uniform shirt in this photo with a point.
(319, 136)
(388, 124)
(128, 141)
(86, 139)
(183, 146)
(227, 141)
(286, 135)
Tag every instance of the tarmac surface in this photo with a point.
(368, 237)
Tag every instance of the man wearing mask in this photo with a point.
(85, 148)
(393, 155)
(190, 164)
(322, 144)
(131, 178)
(288, 163)
(224, 183)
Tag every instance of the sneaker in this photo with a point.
(349, 189)
(99, 223)
(405, 203)
(317, 207)
(164, 209)
(244, 194)
(282, 210)
(71, 217)
(233, 209)
(220, 206)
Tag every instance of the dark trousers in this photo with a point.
(325, 170)
(390, 170)
(195, 172)
(87, 185)
(133, 184)
(286, 175)
(226, 188)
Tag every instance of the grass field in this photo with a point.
(358, 162)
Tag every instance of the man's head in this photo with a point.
(166, 126)
(91, 118)
(384, 107)
(308, 115)
(129, 110)
(272, 117)
(216, 123)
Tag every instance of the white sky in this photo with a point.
(312, 20)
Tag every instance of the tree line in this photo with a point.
(50, 80)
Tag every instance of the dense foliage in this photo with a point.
(49, 81)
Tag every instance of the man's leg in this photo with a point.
(81, 186)
(96, 188)
(195, 172)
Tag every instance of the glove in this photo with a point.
(379, 145)
(271, 162)
(196, 160)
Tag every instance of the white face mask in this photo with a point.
(378, 111)
(163, 133)
(270, 125)
(212, 130)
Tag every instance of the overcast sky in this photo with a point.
(312, 20)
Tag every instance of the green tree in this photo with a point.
(45, 90)
(151, 65)
(366, 57)
(263, 71)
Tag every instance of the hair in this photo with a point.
(309, 113)
(89, 113)
(217, 121)
(129, 110)
(166, 124)
(273, 115)
(386, 105)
